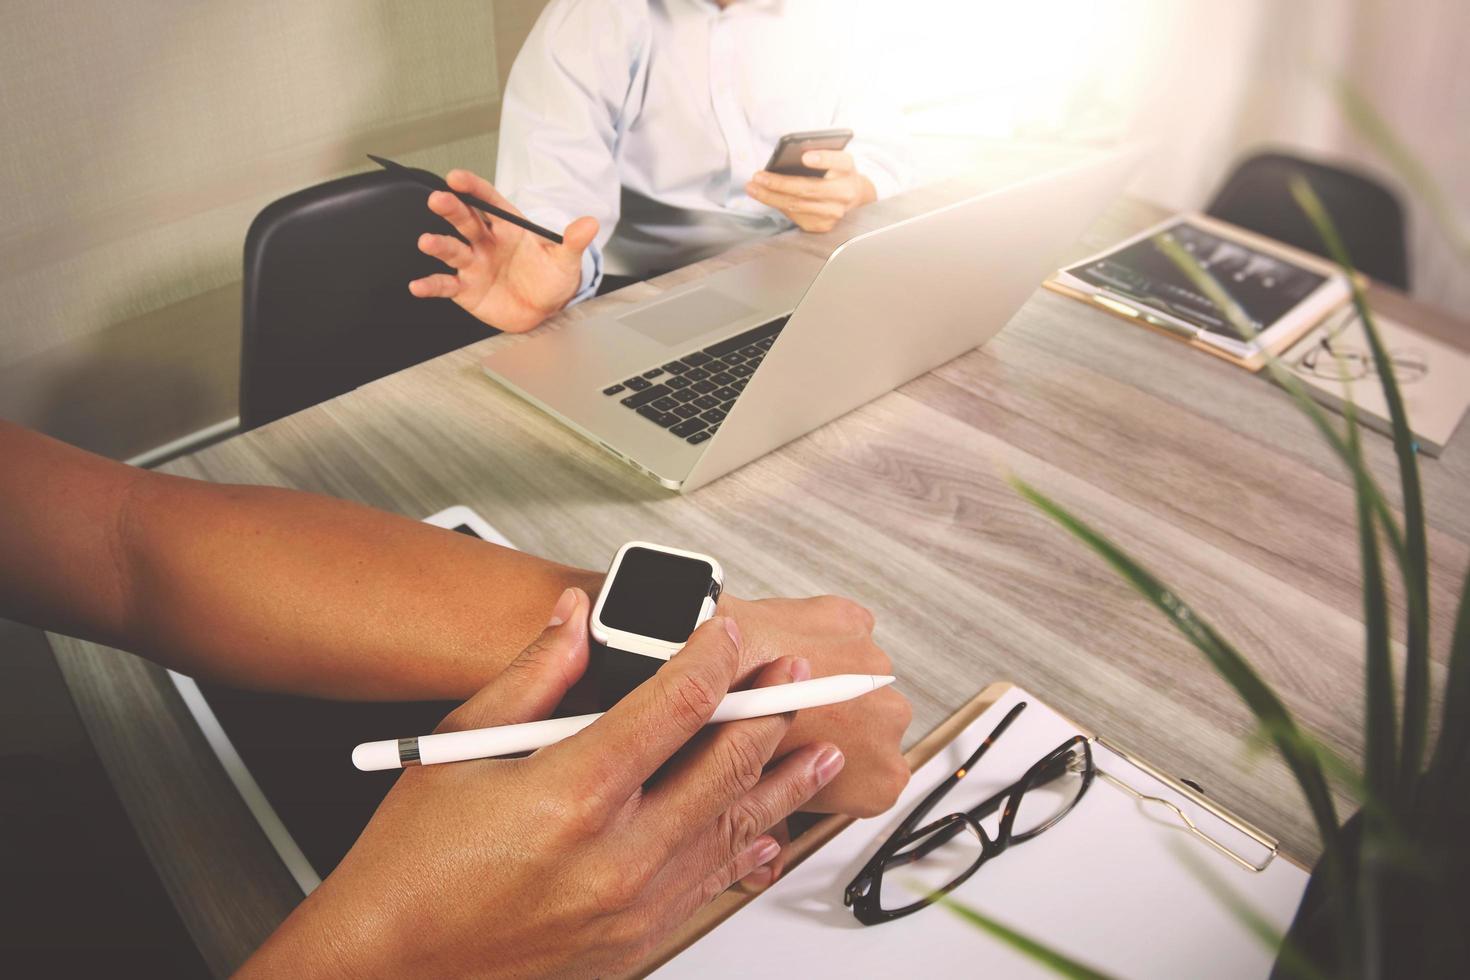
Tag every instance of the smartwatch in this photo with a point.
(651, 600)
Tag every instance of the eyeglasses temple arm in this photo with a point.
(888, 852)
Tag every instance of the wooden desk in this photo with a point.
(1207, 473)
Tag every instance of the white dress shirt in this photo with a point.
(651, 116)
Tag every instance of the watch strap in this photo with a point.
(617, 672)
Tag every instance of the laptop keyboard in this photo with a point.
(691, 396)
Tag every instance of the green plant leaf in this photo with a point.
(1336, 766)
(1452, 754)
(1041, 953)
(1380, 741)
(1257, 695)
(1380, 735)
(1415, 565)
(1288, 957)
(1378, 133)
(1288, 381)
(1409, 552)
(1372, 890)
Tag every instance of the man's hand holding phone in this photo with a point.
(505, 276)
(815, 204)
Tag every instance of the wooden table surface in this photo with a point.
(1207, 473)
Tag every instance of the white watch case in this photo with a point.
(650, 646)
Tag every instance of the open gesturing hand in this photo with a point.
(506, 276)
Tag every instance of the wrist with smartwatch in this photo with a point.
(651, 600)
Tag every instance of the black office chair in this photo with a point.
(327, 306)
(1368, 216)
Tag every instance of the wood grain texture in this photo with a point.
(1205, 472)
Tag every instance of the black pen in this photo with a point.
(438, 184)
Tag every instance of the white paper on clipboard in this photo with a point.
(1112, 885)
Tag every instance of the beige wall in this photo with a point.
(1205, 82)
(1409, 61)
(142, 137)
(140, 140)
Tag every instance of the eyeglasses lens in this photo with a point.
(940, 864)
(1050, 795)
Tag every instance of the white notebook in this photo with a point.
(1114, 885)
(1431, 375)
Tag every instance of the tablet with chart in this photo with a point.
(1282, 292)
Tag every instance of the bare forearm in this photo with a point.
(58, 509)
(275, 589)
(262, 587)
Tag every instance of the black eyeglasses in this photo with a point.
(1333, 361)
(943, 854)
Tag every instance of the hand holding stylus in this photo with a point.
(583, 856)
(504, 275)
(502, 740)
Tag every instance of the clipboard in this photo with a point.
(1288, 878)
(1282, 341)
(734, 899)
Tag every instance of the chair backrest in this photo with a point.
(326, 300)
(1368, 216)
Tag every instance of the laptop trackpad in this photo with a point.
(687, 315)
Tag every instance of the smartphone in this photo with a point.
(786, 158)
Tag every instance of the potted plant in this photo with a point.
(1390, 894)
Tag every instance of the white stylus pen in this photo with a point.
(486, 743)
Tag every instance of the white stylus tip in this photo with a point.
(375, 756)
(882, 680)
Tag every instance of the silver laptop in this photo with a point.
(708, 376)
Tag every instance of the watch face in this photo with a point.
(656, 594)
